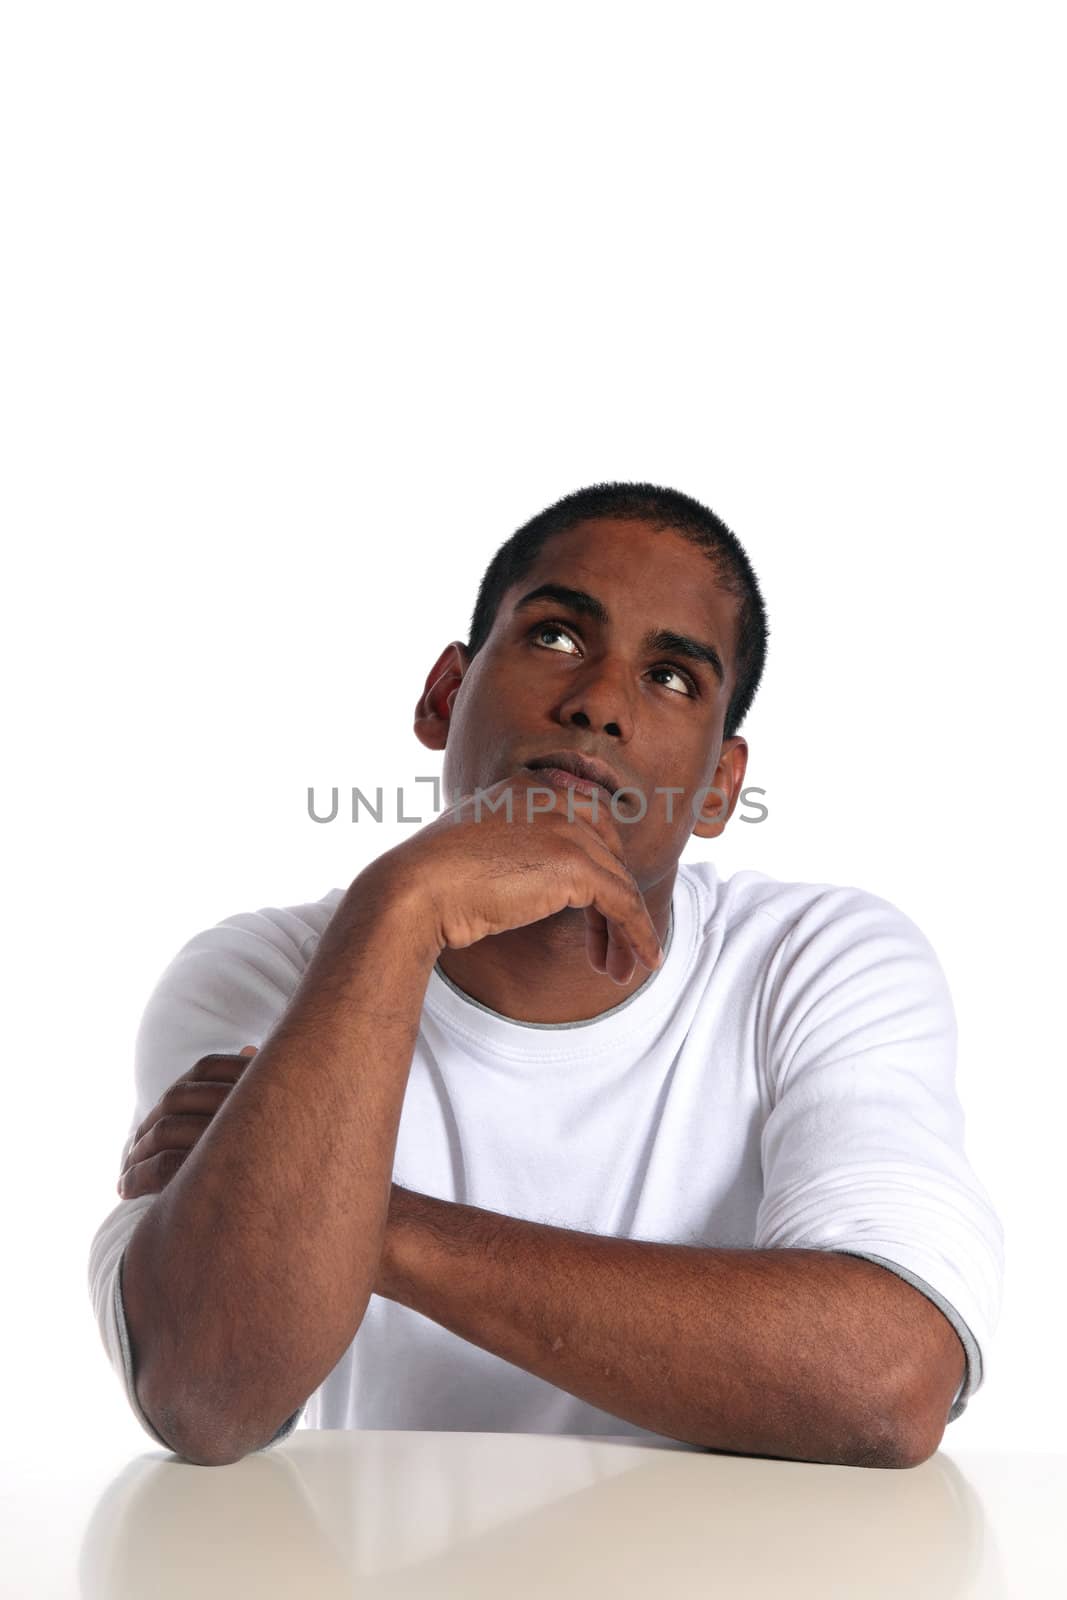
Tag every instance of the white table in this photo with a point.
(331, 1514)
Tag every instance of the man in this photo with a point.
(534, 1128)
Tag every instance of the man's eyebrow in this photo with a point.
(679, 644)
(586, 605)
(655, 641)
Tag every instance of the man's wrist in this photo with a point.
(397, 907)
(399, 1241)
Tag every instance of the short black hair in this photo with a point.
(665, 509)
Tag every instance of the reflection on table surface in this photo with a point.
(466, 1514)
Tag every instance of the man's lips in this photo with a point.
(560, 778)
(570, 770)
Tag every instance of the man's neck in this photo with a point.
(542, 973)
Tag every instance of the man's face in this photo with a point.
(554, 677)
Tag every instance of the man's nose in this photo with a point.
(600, 702)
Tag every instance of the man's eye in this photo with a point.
(550, 627)
(690, 687)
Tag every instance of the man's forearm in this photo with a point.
(801, 1354)
(248, 1278)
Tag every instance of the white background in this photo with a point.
(307, 307)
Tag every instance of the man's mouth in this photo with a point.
(566, 769)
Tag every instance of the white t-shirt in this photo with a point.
(786, 1079)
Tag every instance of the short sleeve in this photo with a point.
(227, 987)
(863, 1149)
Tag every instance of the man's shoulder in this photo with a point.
(828, 952)
(274, 942)
(756, 904)
(292, 931)
(226, 987)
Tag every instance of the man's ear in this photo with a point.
(721, 796)
(433, 713)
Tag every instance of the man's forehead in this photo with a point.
(592, 557)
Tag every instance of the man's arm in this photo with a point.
(248, 1279)
(804, 1354)
(245, 1282)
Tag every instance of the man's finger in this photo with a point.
(188, 1094)
(153, 1175)
(221, 1066)
(202, 1090)
(174, 1130)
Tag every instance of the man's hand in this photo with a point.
(177, 1121)
(475, 872)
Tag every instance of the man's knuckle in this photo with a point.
(213, 1063)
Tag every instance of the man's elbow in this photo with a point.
(213, 1458)
(892, 1454)
(922, 1445)
(902, 1436)
(204, 1441)
(204, 1450)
